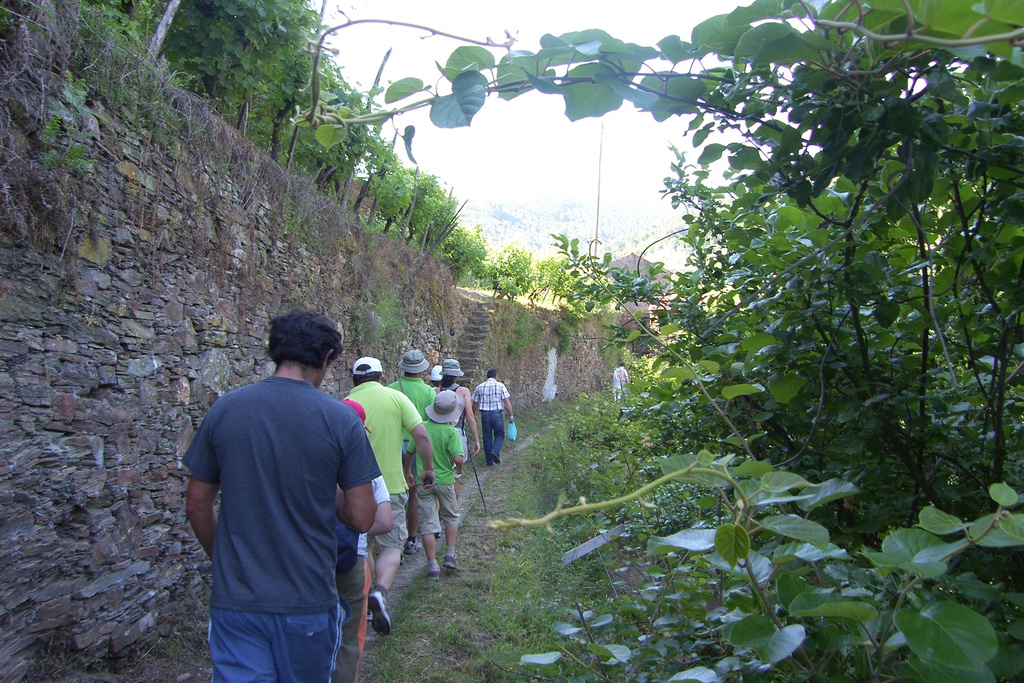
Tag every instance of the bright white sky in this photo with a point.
(525, 148)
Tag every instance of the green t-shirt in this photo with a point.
(447, 444)
(388, 414)
(419, 392)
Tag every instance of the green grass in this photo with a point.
(477, 625)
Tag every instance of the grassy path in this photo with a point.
(475, 625)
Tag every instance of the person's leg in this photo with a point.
(306, 645)
(448, 515)
(240, 647)
(388, 560)
(429, 527)
(352, 586)
(485, 427)
(499, 434)
(451, 531)
(412, 521)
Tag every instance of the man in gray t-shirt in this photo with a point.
(286, 459)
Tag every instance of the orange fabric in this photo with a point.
(362, 617)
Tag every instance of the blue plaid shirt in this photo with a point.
(490, 395)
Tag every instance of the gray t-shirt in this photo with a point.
(278, 448)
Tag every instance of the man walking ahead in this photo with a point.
(286, 458)
(413, 365)
(489, 399)
(388, 413)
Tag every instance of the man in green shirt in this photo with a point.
(438, 504)
(413, 365)
(388, 414)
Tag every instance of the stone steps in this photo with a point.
(472, 343)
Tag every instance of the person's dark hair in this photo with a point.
(303, 337)
(448, 380)
(363, 379)
(493, 372)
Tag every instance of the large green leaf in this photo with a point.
(1013, 525)
(773, 43)
(948, 634)
(752, 468)
(733, 390)
(542, 659)
(809, 604)
(469, 90)
(697, 540)
(759, 633)
(912, 550)
(793, 526)
(938, 522)
(758, 341)
(780, 480)
(932, 673)
(1003, 494)
(785, 389)
(1007, 11)
(611, 653)
(995, 536)
(586, 99)
(826, 492)
(674, 49)
(467, 58)
(732, 543)
(403, 88)
(808, 552)
(697, 674)
(329, 135)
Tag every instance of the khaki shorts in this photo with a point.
(395, 539)
(436, 505)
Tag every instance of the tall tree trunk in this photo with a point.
(275, 134)
(412, 205)
(345, 191)
(291, 148)
(243, 117)
(157, 43)
(362, 194)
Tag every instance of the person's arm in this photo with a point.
(383, 520)
(471, 421)
(508, 407)
(356, 506)
(201, 511)
(426, 453)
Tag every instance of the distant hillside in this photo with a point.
(623, 229)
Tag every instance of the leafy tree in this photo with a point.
(233, 47)
(465, 251)
(553, 279)
(511, 272)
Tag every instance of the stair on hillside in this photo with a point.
(472, 341)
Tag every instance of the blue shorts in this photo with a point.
(252, 647)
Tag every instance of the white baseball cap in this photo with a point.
(366, 366)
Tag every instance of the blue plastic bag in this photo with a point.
(512, 433)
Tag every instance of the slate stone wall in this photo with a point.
(112, 347)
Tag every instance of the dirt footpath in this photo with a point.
(473, 544)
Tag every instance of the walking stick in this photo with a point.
(481, 488)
